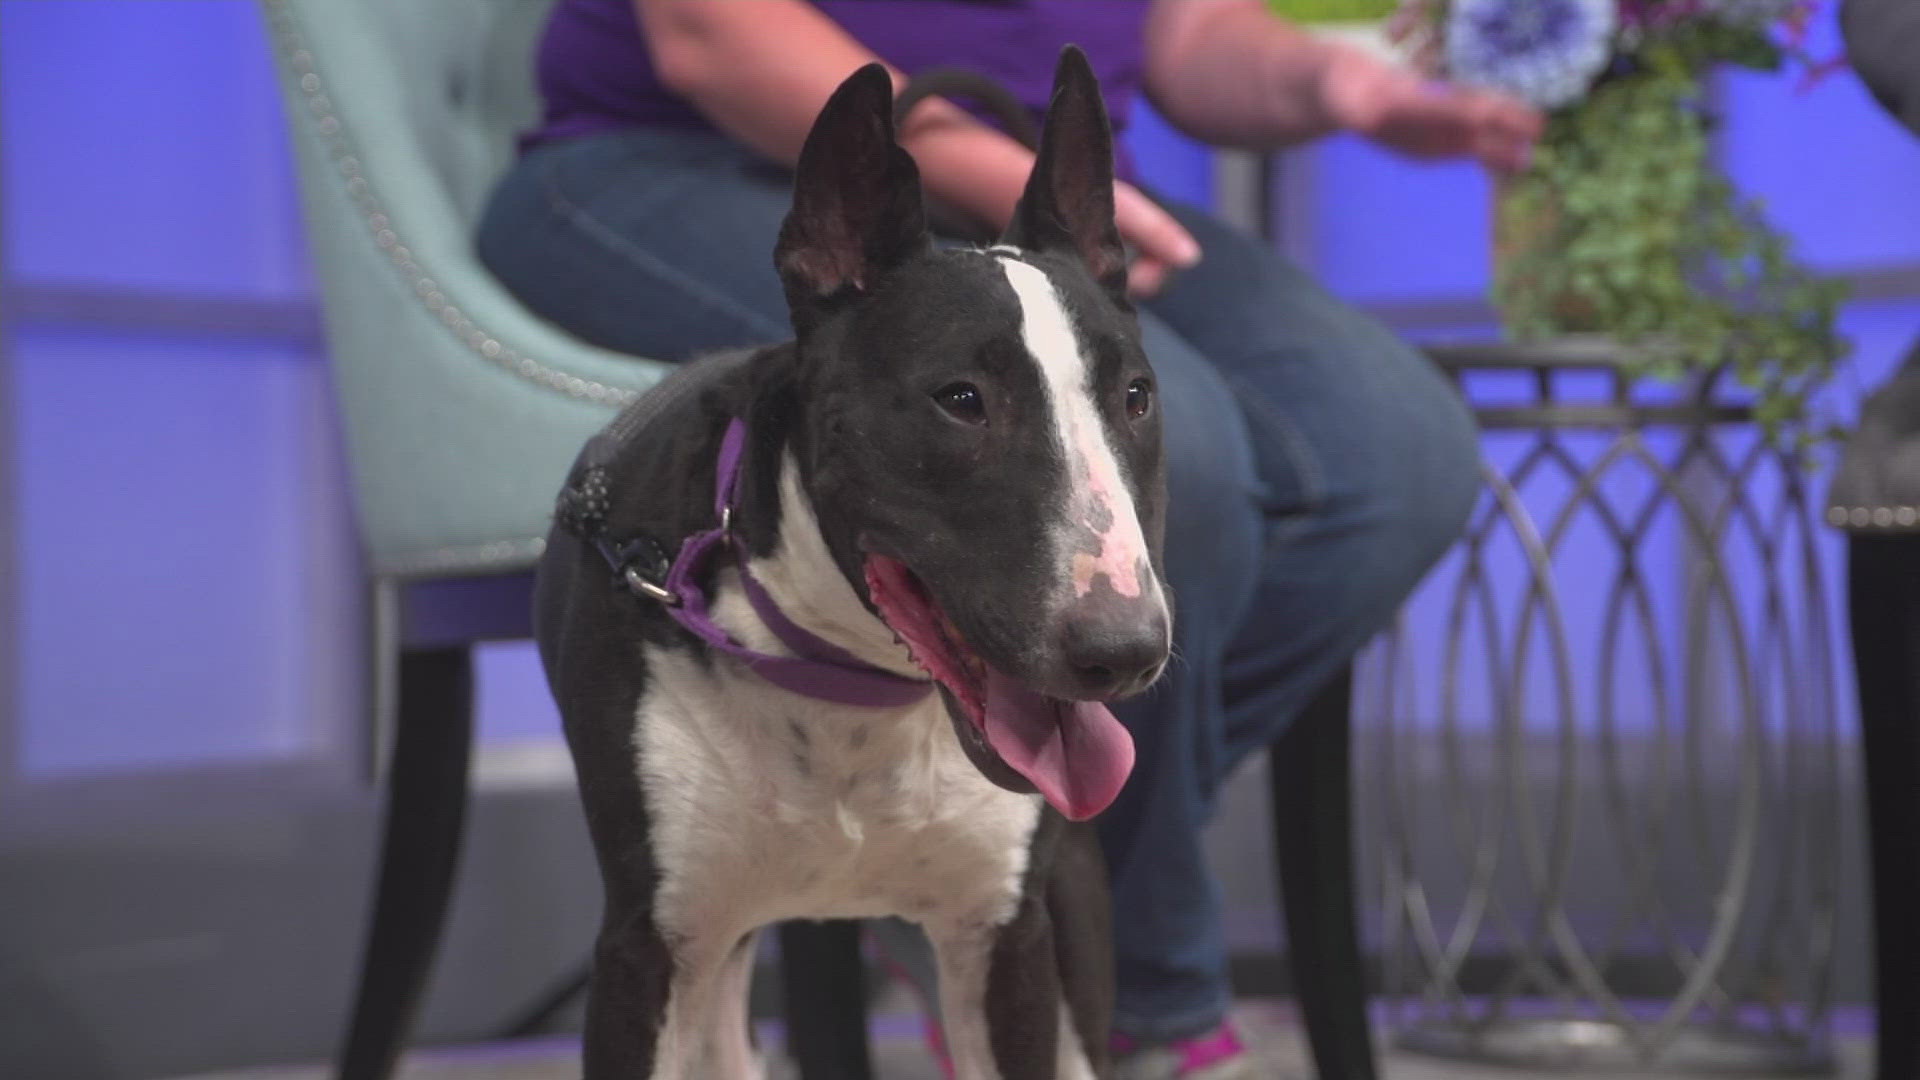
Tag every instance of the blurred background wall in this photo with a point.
(184, 833)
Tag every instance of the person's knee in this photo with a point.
(1211, 481)
(1213, 523)
(1414, 503)
(1439, 506)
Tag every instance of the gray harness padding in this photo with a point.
(629, 494)
(685, 383)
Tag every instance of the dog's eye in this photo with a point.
(1139, 398)
(962, 401)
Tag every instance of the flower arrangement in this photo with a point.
(1623, 225)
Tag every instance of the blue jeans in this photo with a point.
(1317, 467)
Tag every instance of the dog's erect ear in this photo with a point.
(857, 209)
(1069, 198)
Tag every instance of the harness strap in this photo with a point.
(819, 669)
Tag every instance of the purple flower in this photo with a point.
(1659, 14)
(1547, 52)
(1757, 13)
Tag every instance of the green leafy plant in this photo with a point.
(1311, 11)
(1625, 226)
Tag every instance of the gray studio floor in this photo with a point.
(901, 1057)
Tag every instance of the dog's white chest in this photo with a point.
(765, 806)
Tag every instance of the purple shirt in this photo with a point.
(595, 75)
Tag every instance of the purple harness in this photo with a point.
(819, 669)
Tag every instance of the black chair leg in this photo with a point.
(1313, 843)
(823, 982)
(426, 805)
(1884, 609)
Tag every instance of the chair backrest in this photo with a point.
(453, 78)
(480, 69)
(461, 408)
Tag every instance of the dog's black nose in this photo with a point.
(1113, 649)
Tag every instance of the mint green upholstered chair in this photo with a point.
(462, 411)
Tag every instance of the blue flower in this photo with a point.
(1546, 52)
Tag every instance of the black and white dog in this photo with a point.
(950, 480)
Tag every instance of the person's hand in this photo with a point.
(1158, 243)
(1398, 109)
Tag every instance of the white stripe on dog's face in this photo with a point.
(1098, 500)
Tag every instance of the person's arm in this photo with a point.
(1230, 72)
(761, 69)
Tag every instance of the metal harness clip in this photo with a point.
(638, 583)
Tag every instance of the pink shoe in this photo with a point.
(1217, 1055)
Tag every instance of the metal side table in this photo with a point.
(1607, 762)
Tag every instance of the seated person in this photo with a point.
(1876, 490)
(1881, 468)
(1317, 466)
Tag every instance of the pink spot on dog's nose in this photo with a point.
(1107, 514)
(1122, 571)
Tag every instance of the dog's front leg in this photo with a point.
(1000, 996)
(729, 1031)
(668, 1013)
(627, 998)
(703, 1035)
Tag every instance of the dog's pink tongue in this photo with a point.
(1074, 752)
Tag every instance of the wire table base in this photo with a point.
(1608, 786)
